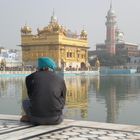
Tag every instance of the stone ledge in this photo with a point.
(12, 128)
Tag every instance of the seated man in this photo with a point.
(46, 92)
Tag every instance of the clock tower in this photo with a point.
(110, 31)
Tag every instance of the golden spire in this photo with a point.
(53, 18)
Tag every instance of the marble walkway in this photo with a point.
(12, 129)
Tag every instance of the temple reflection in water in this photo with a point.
(77, 94)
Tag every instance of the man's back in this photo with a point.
(47, 93)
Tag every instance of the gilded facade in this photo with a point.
(68, 49)
(77, 97)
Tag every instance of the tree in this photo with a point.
(112, 60)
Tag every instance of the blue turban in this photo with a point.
(46, 62)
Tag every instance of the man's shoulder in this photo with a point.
(31, 75)
(56, 75)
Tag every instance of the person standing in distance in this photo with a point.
(47, 94)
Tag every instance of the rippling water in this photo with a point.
(114, 99)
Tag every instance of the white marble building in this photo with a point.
(11, 57)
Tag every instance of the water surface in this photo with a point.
(112, 99)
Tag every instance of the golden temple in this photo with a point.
(66, 48)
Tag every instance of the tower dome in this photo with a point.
(111, 12)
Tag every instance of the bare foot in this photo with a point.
(25, 118)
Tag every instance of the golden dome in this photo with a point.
(26, 29)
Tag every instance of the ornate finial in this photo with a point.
(53, 18)
(111, 4)
(25, 23)
(53, 13)
(83, 33)
(83, 27)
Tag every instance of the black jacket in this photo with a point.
(47, 93)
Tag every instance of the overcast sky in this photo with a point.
(74, 14)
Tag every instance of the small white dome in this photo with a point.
(120, 37)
